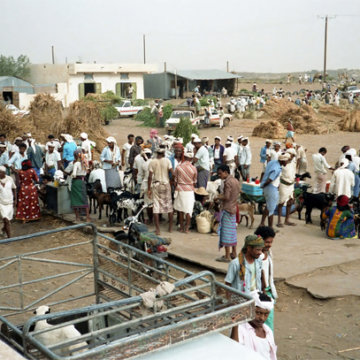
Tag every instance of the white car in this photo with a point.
(351, 90)
(176, 115)
(125, 108)
(16, 111)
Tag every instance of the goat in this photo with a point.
(303, 176)
(124, 201)
(53, 337)
(91, 188)
(213, 188)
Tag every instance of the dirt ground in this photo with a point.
(305, 327)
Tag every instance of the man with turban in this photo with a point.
(255, 334)
(343, 180)
(7, 200)
(244, 272)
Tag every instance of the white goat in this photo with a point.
(213, 188)
(53, 337)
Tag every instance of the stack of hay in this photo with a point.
(10, 124)
(351, 122)
(269, 129)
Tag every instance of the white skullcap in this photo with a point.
(197, 140)
(189, 154)
(3, 168)
(230, 138)
(245, 138)
(284, 157)
(266, 305)
(268, 141)
(51, 144)
(111, 139)
(3, 145)
(193, 136)
(28, 134)
(147, 151)
(239, 137)
(166, 137)
(228, 143)
(84, 135)
(217, 138)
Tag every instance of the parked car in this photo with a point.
(215, 119)
(351, 90)
(16, 111)
(176, 115)
(125, 108)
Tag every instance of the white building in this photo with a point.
(71, 82)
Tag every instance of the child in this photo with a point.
(290, 132)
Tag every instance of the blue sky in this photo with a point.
(258, 36)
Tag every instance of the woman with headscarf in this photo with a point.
(154, 140)
(78, 196)
(340, 220)
(110, 157)
(68, 149)
(28, 201)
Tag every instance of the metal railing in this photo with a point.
(118, 326)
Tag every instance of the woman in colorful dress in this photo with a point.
(28, 208)
(340, 220)
(78, 194)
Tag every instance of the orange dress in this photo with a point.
(28, 200)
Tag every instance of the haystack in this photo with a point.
(270, 129)
(45, 114)
(351, 122)
(84, 116)
(10, 124)
(275, 108)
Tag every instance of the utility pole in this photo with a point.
(325, 48)
(53, 54)
(176, 94)
(165, 66)
(144, 49)
(227, 66)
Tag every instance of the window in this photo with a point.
(124, 76)
(88, 77)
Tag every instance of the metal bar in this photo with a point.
(48, 250)
(56, 261)
(8, 264)
(96, 264)
(58, 289)
(43, 279)
(47, 232)
(20, 278)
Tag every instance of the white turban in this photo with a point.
(284, 157)
(111, 139)
(291, 151)
(266, 305)
(67, 137)
(3, 168)
(351, 152)
(84, 135)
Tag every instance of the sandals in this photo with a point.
(223, 259)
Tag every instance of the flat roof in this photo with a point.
(205, 74)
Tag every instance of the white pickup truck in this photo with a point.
(125, 108)
(17, 111)
(175, 117)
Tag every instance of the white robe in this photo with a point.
(342, 182)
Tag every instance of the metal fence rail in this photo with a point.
(118, 326)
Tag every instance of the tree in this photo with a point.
(9, 66)
(184, 129)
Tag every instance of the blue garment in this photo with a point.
(233, 278)
(35, 156)
(356, 189)
(263, 156)
(271, 195)
(68, 151)
(107, 155)
(272, 171)
(16, 160)
(4, 158)
(221, 152)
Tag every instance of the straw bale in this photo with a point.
(351, 122)
(269, 129)
(10, 124)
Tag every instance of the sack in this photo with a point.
(203, 222)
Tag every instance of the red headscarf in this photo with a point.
(26, 165)
(181, 147)
(342, 200)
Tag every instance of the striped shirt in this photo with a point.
(185, 176)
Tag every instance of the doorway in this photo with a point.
(8, 97)
(89, 88)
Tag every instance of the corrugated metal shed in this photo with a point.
(10, 83)
(206, 74)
